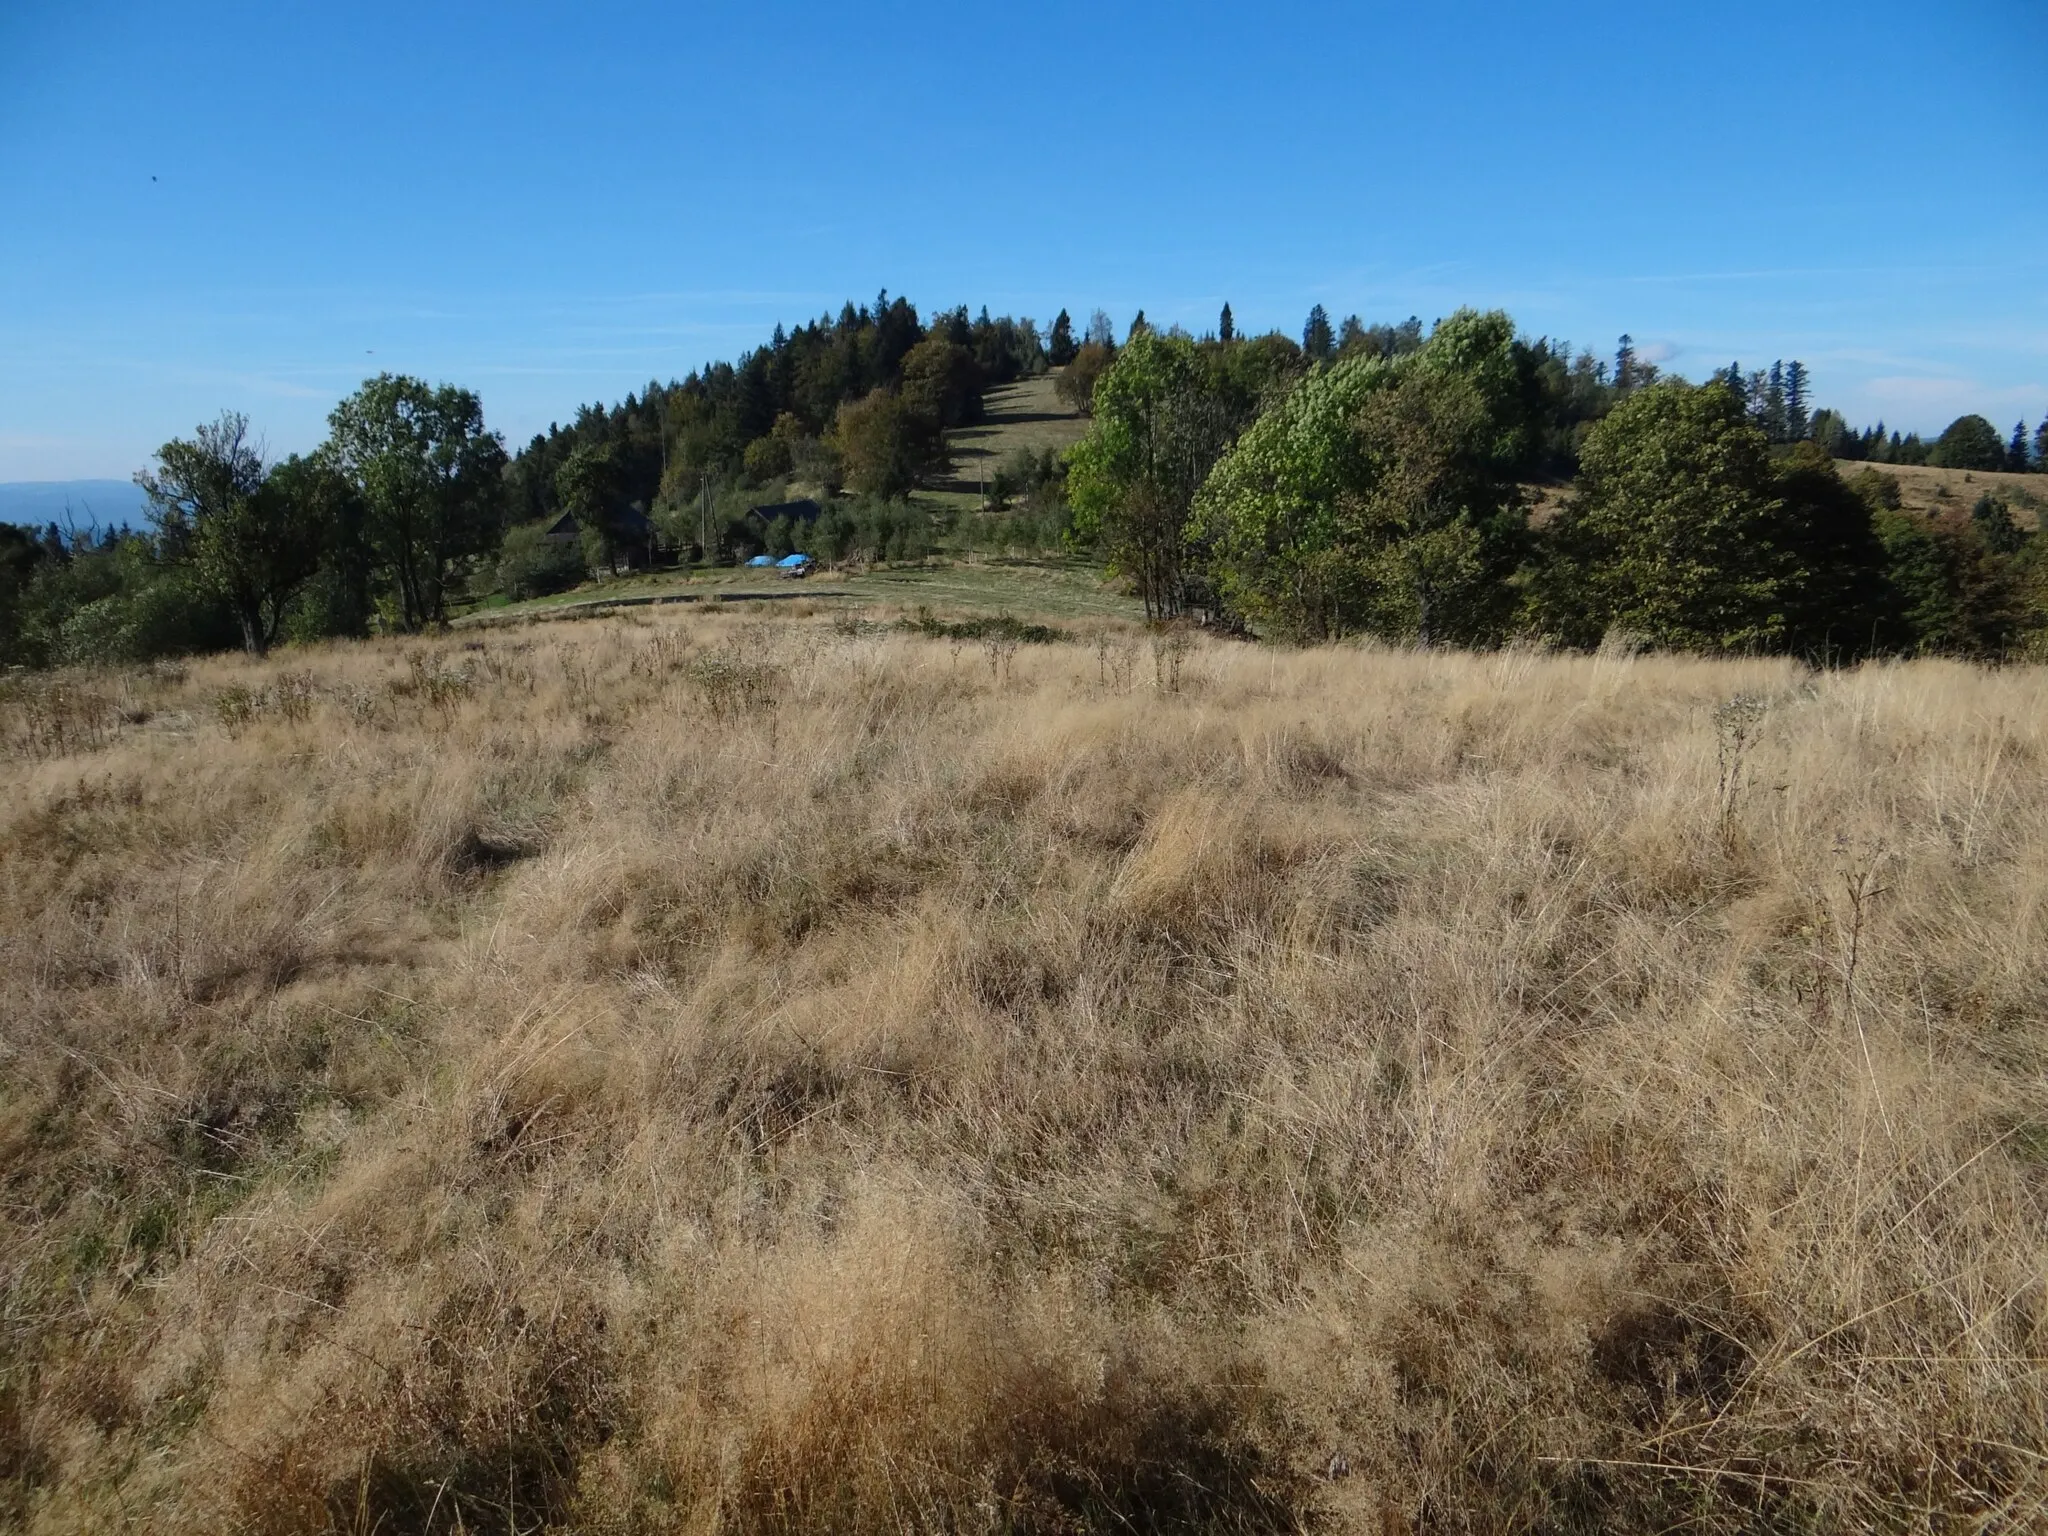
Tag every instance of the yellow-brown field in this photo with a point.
(689, 1072)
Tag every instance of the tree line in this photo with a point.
(1363, 478)
(1385, 490)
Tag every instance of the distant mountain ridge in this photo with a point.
(80, 503)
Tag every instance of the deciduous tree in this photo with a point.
(430, 477)
(1970, 442)
(251, 545)
(1159, 427)
(1674, 532)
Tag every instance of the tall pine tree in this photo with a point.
(1625, 364)
(1317, 339)
(1060, 349)
(2016, 456)
(1226, 328)
(1795, 401)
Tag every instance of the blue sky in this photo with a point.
(552, 204)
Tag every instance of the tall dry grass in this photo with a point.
(709, 1074)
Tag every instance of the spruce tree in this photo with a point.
(1060, 349)
(2041, 446)
(1624, 364)
(1795, 401)
(1226, 328)
(2016, 455)
(1774, 404)
(1139, 325)
(1317, 339)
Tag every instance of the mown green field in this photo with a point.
(1048, 589)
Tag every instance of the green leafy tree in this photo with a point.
(1076, 385)
(1838, 600)
(1159, 427)
(335, 603)
(249, 543)
(1970, 442)
(1674, 533)
(942, 382)
(1379, 493)
(1270, 511)
(530, 564)
(887, 446)
(430, 478)
(1437, 525)
(21, 556)
(1957, 596)
(589, 488)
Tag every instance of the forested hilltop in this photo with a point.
(1460, 485)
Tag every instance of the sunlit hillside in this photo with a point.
(690, 1072)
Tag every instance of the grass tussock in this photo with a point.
(726, 1074)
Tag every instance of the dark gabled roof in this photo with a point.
(806, 511)
(629, 521)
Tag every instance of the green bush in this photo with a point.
(529, 565)
(159, 612)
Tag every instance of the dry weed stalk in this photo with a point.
(754, 1075)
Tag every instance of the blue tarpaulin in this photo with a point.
(793, 562)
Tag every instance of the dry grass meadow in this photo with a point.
(693, 1072)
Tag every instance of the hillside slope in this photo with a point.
(1027, 414)
(1924, 489)
(680, 1072)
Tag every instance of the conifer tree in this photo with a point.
(1795, 401)
(1226, 328)
(1774, 404)
(1060, 349)
(1624, 363)
(2016, 456)
(2041, 446)
(1139, 326)
(1317, 339)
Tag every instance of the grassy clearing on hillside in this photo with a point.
(686, 1072)
(1925, 489)
(1026, 414)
